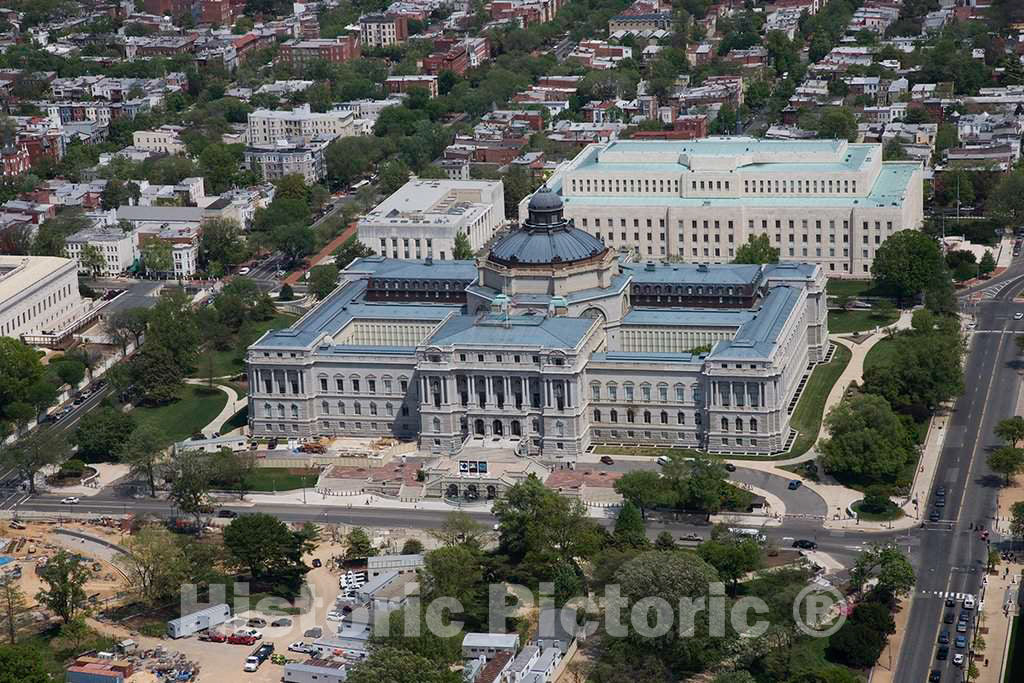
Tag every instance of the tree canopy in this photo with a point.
(910, 262)
(758, 249)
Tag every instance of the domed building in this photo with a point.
(550, 262)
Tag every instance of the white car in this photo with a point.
(334, 616)
(281, 273)
(968, 602)
(1018, 316)
(70, 500)
(243, 271)
(251, 664)
(252, 633)
(958, 659)
(301, 647)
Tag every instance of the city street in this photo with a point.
(951, 554)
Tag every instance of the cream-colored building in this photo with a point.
(828, 202)
(165, 139)
(38, 296)
(268, 126)
(118, 248)
(547, 343)
(422, 218)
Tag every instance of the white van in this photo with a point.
(751, 533)
(663, 460)
(251, 663)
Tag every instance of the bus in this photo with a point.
(361, 184)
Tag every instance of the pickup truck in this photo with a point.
(260, 655)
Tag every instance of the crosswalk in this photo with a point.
(947, 594)
(993, 291)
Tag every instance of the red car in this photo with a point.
(241, 639)
(216, 637)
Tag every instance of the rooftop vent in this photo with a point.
(649, 266)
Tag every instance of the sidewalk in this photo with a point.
(993, 616)
(234, 404)
(321, 255)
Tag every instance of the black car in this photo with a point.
(949, 618)
(950, 602)
(317, 563)
(315, 632)
(804, 544)
(729, 467)
(227, 514)
(935, 676)
(794, 484)
(943, 652)
(607, 460)
(944, 637)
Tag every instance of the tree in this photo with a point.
(23, 664)
(172, 325)
(457, 572)
(219, 164)
(1006, 200)
(758, 249)
(221, 243)
(412, 547)
(734, 677)
(52, 235)
(400, 666)
(233, 469)
(665, 541)
(64, 576)
(286, 293)
(358, 545)
(732, 556)
(156, 255)
(463, 250)
(262, 544)
(127, 323)
(1011, 430)
(393, 175)
(643, 488)
(1017, 519)
(909, 262)
(458, 528)
(12, 604)
(1007, 461)
(837, 123)
(142, 451)
(156, 376)
(867, 441)
(116, 193)
(987, 263)
(155, 564)
(629, 527)
(190, 473)
(889, 565)
(293, 240)
(323, 280)
(350, 251)
(893, 150)
(24, 390)
(92, 260)
(856, 645)
(101, 433)
(292, 186)
(68, 370)
(32, 452)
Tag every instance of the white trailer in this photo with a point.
(198, 621)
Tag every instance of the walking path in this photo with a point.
(234, 404)
(321, 255)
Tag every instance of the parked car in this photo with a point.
(958, 659)
(281, 623)
(256, 622)
(961, 627)
(315, 632)
(960, 642)
(216, 637)
(943, 652)
(241, 639)
(227, 514)
(317, 563)
(944, 637)
(313, 448)
(935, 676)
(335, 616)
(949, 618)
(607, 460)
(251, 632)
(301, 647)
(968, 602)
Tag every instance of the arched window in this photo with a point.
(647, 417)
(680, 393)
(664, 417)
(390, 409)
(614, 415)
(597, 415)
(559, 428)
(268, 410)
(630, 416)
(681, 418)
(437, 425)
(295, 410)
(325, 408)
(341, 407)
(739, 424)
(753, 424)
(280, 410)
(373, 409)
(357, 408)
(725, 424)
(595, 391)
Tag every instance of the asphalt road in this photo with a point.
(951, 555)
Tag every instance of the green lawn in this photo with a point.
(892, 512)
(280, 478)
(856, 288)
(232, 361)
(845, 322)
(1015, 658)
(195, 408)
(880, 353)
(807, 417)
(239, 419)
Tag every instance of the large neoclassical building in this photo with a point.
(547, 344)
